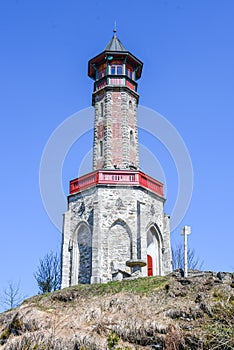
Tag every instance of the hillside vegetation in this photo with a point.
(146, 313)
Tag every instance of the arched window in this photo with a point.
(130, 104)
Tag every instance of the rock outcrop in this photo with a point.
(169, 312)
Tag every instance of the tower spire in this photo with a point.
(115, 30)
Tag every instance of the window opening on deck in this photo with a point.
(116, 69)
(129, 72)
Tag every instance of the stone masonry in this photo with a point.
(114, 223)
(115, 130)
(115, 216)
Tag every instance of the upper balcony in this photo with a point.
(115, 80)
(117, 178)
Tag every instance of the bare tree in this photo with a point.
(11, 296)
(178, 258)
(48, 274)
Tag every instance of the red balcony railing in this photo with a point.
(150, 183)
(83, 182)
(116, 177)
(115, 80)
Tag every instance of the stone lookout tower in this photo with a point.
(115, 224)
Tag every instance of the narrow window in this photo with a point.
(102, 109)
(101, 71)
(131, 138)
(129, 72)
(130, 104)
(119, 69)
(101, 148)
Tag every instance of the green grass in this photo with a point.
(140, 285)
(146, 285)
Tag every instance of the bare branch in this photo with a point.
(178, 258)
(48, 274)
(11, 296)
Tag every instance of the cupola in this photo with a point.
(115, 66)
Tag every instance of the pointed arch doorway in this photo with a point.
(154, 245)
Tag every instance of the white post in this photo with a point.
(185, 256)
(186, 230)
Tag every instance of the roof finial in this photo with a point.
(115, 29)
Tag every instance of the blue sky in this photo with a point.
(188, 52)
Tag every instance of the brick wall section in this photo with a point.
(115, 125)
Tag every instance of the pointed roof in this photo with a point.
(116, 49)
(115, 44)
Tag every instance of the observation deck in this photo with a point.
(116, 178)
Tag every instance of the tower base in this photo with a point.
(108, 224)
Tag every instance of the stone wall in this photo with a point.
(114, 221)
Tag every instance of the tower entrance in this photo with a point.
(154, 248)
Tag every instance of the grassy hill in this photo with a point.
(146, 313)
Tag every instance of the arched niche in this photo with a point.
(82, 254)
(119, 245)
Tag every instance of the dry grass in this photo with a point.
(147, 313)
